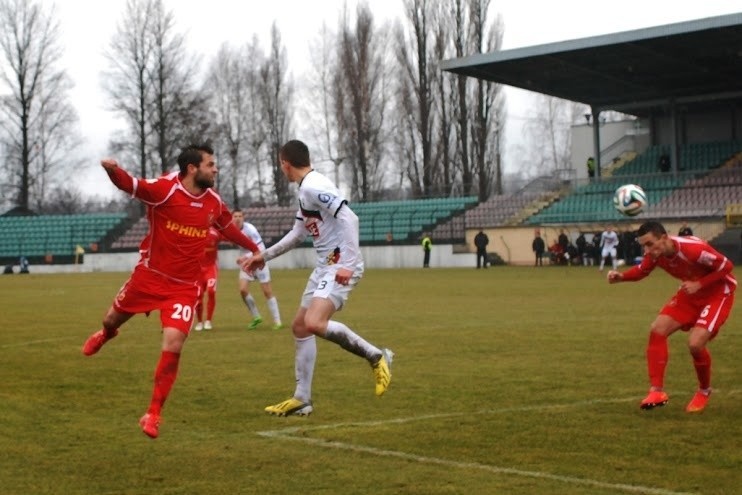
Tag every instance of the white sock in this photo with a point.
(250, 302)
(602, 263)
(273, 308)
(304, 360)
(350, 341)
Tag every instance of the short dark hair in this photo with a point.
(655, 228)
(296, 153)
(192, 155)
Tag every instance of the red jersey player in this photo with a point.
(209, 273)
(180, 208)
(701, 305)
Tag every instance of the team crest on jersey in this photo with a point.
(334, 256)
(707, 258)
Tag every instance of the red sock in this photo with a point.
(210, 305)
(702, 362)
(167, 370)
(657, 354)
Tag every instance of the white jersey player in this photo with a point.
(608, 245)
(263, 275)
(325, 215)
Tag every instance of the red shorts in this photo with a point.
(208, 278)
(147, 291)
(709, 312)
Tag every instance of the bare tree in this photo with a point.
(232, 87)
(257, 134)
(56, 141)
(549, 133)
(179, 114)
(417, 100)
(322, 92)
(127, 82)
(276, 94)
(459, 14)
(150, 84)
(37, 121)
(362, 102)
(488, 104)
(444, 91)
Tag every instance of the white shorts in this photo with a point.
(263, 275)
(322, 284)
(608, 252)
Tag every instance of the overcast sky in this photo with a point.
(87, 27)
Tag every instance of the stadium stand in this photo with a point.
(707, 196)
(405, 220)
(690, 193)
(54, 235)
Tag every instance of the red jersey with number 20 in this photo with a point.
(178, 223)
(695, 260)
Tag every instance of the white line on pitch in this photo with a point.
(287, 434)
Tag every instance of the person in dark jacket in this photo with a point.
(538, 246)
(480, 241)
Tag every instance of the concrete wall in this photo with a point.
(443, 255)
(610, 133)
(513, 244)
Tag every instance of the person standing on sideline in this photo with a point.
(325, 215)
(480, 241)
(180, 208)
(700, 306)
(685, 230)
(263, 276)
(209, 274)
(539, 247)
(590, 168)
(427, 247)
(608, 245)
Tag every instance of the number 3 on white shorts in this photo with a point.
(181, 312)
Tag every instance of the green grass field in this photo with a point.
(509, 380)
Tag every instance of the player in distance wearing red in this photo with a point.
(700, 306)
(181, 208)
(209, 275)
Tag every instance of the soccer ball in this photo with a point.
(630, 200)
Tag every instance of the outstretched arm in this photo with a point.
(119, 176)
(292, 239)
(232, 233)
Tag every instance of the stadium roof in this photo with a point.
(632, 71)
